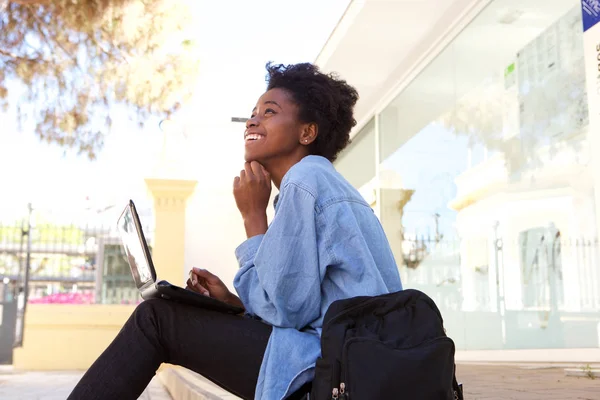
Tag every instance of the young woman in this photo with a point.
(324, 244)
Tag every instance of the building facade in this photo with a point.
(475, 145)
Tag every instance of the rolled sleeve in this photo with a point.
(279, 275)
(246, 251)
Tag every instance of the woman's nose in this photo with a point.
(252, 122)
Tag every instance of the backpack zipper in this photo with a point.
(343, 394)
(335, 379)
(334, 394)
(339, 393)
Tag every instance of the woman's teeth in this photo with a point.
(254, 137)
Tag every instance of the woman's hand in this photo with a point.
(252, 191)
(203, 282)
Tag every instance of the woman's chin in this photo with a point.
(250, 156)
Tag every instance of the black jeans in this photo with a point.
(226, 349)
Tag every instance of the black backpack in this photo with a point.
(392, 346)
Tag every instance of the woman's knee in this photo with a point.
(151, 310)
(150, 304)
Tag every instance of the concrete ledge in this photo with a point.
(183, 384)
(60, 337)
(583, 372)
(524, 356)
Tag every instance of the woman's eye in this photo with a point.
(252, 116)
(269, 110)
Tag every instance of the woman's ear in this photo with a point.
(309, 134)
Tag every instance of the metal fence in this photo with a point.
(85, 263)
(67, 263)
(542, 271)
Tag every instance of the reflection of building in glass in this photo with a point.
(491, 209)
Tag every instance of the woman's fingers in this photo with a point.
(204, 274)
(194, 284)
(193, 279)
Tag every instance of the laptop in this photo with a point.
(144, 274)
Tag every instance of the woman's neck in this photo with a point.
(278, 168)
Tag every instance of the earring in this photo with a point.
(305, 140)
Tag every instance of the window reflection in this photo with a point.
(487, 191)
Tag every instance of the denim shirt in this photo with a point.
(324, 244)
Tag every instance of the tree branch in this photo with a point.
(20, 58)
(45, 38)
(109, 54)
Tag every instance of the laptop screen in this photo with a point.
(134, 249)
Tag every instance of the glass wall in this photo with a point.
(358, 163)
(487, 189)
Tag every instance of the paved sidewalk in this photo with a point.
(492, 382)
(56, 386)
(482, 382)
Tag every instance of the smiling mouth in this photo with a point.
(253, 137)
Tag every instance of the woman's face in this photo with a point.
(273, 131)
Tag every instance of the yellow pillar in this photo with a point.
(170, 201)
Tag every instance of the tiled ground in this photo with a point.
(488, 382)
(482, 382)
(56, 386)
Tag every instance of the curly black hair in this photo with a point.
(323, 99)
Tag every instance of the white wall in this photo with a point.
(214, 227)
(213, 230)
(213, 224)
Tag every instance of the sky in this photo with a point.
(236, 38)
